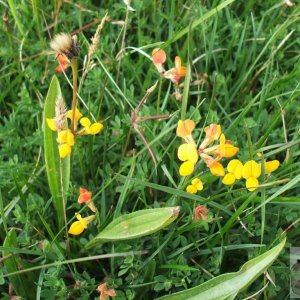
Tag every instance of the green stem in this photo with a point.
(158, 97)
(74, 65)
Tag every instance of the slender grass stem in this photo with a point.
(74, 65)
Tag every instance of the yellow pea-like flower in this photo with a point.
(78, 115)
(79, 226)
(188, 152)
(217, 169)
(186, 168)
(271, 166)
(96, 128)
(251, 169)
(229, 179)
(236, 168)
(185, 128)
(198, 184)
(64, 150)
(191, 189)
(252, 184)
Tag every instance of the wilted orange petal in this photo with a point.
(158, 56)
(185, 128)
(213, 131)
(85, 196)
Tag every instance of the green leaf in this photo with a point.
(23, 284)
(136, 224)
(58, 170)
(227, 286)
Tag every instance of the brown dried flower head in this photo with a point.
(64, 43)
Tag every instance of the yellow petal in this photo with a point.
(229, 179)
(178, 63)
(251, 169)
(95, 128)
(85, 122)
(236, 167)
(185, 128)
(191, 189)
(213, 131)
(51, 124)
(186, 168)
(78, 114)
(228, 150)
(77, 227)
(64, 150)
(217, 169)
(271, 166)
(198, 184)
(62, 136)
(70, 138)
(252, 184)
(187, 152)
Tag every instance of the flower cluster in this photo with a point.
(174, 74)
(77, 227)
(210, 154)
(65, 137)
(250, 171)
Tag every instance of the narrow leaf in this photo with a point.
(58, 170)
(227, 286)
(13, 263)
(136, 224)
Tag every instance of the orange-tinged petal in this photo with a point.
(217, 169)
(271, 166)
(187, 152)
(182, 71)
(85, 196)
(236, 167)
(85, 122)
(191, 189)
(251, 169)
(51, 124)
(228, 150)
(95, 128)
(186, 168)
(200, 213)
(64, 150)
(213, 131)
(252, 184)
(228, 179)
(185, 128)
(178, 64)
(158, 56)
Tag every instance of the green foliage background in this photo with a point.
(248, 54)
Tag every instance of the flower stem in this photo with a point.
(74, 65)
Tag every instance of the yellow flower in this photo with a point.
(189, 155)
(66, 140)
(90, 128)
(187, 152)
(78, 115)
(175, 74)
(217, 169)
(197, 185)
(186, 168)
(212, 132)
(271, 166)
(185, 128)
(235, 169)
(226, 149)
(64, 150)
(251, 171)
(79, 226)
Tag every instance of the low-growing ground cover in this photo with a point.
(149, 148)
